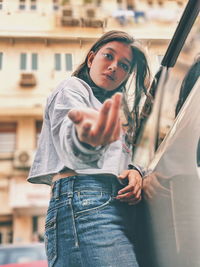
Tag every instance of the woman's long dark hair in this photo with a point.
(190, 79)
(139, 66)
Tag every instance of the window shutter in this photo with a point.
(68, 60)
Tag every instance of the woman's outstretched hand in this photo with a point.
(132, 192)
(98, 127)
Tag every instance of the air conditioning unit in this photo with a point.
(27, 79)
(93, 23)
(23, 159)
(66, 21)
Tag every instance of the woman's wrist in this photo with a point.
(133, 167)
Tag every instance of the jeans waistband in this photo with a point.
(69, 185)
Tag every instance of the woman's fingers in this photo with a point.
(75, 115)
(98, 128)
(130, 198)
(107, 127)
(133, 187)
(113, 117)
(129, 195)
(108, 119)
(103, 117)
(86, 128)
(132, 192)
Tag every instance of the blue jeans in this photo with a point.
(86, 226)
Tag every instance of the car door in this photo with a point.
(169, 216)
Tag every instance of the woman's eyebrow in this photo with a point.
(124, 58)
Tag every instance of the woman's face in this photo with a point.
(111, 65)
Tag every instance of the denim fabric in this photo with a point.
(87, 227)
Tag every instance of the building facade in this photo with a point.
(41, 42)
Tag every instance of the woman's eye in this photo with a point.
(108, 56)
(124, 66)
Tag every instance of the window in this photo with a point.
(1, 60)
(55, 5)
(66, 58)
(28, 61)
(33, 5)
(35, 224)
(67, 12)
(57, 61)
(23, 60)
(130, 4)
(34, 61)
(7, 137)
(1, 4)
(22, 4)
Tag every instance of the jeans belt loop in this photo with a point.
(57, 190)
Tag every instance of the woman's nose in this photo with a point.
(112, 66)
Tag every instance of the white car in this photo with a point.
(168, 219)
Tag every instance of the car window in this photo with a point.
(162, 119)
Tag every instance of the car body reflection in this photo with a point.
(168, 218)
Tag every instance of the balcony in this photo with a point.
(91, 19)
(68, 19)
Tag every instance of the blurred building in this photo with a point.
(41, 42)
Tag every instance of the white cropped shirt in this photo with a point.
(58, 147)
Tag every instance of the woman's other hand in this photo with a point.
(98, 127)
(156, 185)
(132, 192)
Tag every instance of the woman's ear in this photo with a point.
(90, 58)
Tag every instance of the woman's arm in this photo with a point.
(64, 132)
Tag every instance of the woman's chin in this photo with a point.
(106, 86)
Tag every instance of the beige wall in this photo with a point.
(22, 228)
(4, 197)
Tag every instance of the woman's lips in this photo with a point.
(110, 77)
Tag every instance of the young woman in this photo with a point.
(84, 154)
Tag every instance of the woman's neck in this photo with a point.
(100, 93)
